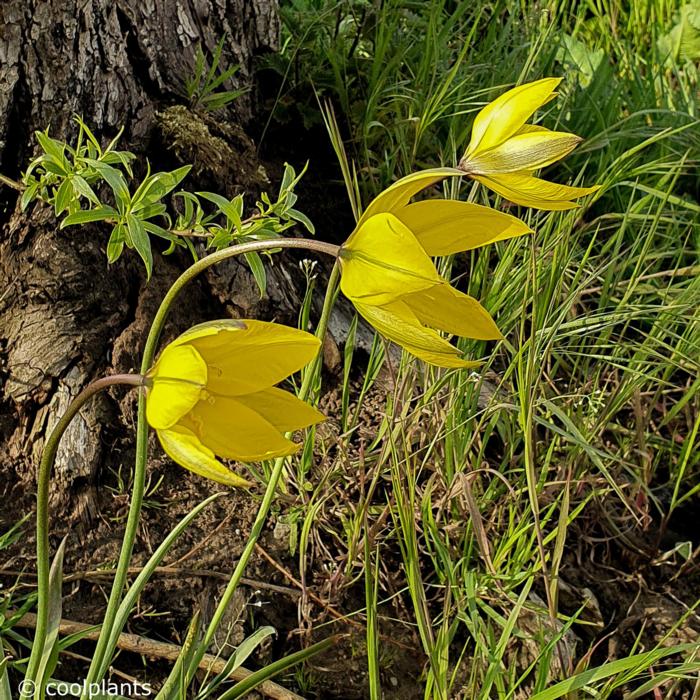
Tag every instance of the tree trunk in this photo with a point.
(65, 318)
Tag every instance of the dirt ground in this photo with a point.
(632, 595)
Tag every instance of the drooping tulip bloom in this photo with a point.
(504, 151)
(387, 273)
(212, 392)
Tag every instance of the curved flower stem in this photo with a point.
(269, 494)
(42, 508)
(103, 652)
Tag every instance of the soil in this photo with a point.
(631, 597)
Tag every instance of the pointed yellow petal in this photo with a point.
(531, 128)
(529, 151)
(242, 360)
(235, 431)
(445, 227)
(178, 379)
(184, 448)
(383, 260)
(281, 409)
(399, 194)
(399, 324)
(529, 191)
(505, 116)
(209, 328)
(449, 310)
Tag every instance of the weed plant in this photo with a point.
(480, 499)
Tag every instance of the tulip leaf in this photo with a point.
(173, 686)
(142, 579)
(49, 654)
(5, 690)
(238, 658)
(257, 677)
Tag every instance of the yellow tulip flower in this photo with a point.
(387, 273)
(212, 392)
(504, 151)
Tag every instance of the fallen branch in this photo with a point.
(161, 650)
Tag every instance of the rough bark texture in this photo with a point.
(64, 318)
(113, 62)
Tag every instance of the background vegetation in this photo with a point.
(528, 529)
(526, 515)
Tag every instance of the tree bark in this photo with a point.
(65, 318)
(115, 62)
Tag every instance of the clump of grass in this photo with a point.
(579, 436)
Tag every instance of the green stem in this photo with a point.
(11, 183)
(42, 509)
(270, 490)
(103, 648)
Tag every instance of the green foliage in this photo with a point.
(682, 42)
(204, 87)
(63, 175)
(73, 178)
(586, 419)
(461, 506)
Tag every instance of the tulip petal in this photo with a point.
(445, 227)
(529, 191)
(235, 431)
(210, 328)
(399, 324)
(382, 260)
(528, 151)
(184, 448)
(449, 310)
(247, 356)
(506, 115)
(400, 192)
(177, 382)
(281, 409)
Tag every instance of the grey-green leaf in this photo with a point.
(54, 614)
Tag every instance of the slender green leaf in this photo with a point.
(641, 662)
(63, 197)
(237, 659)
(173, 688)
(44, 669)
(232, 209)
(115, 245)
(87, 216)
(271, 670)
(52, 147)
(83, 188)
(115, 180)
(302, 219)
(140, 241)
(142, 579)
(258, 270)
